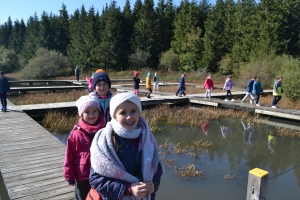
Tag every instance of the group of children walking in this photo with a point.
(111, 152)
(136, 83)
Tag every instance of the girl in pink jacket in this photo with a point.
(208, 85)
(77, 162)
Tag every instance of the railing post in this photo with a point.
(257, 184)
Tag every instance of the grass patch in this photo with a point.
(189, 171)
(65, 123)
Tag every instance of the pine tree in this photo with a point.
(17, 37)
(112, 43)
(63, 35)
(128, 31)
(187, 31)
(246, 30)
(46, 33)
(5, 33)
(31, 40)
(214, 45)
(145, 32)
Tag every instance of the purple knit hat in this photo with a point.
(85, 102)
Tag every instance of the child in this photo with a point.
(181, 86)
(148, 84)
(77, 73)
(277, 91)
(156, 82)
(90, 82)
(124, 155)
(228, 86)
(101, 85)
(77, 160)
(249, 90)
(208, 85)
(4, 90)
(136, 83)
(257, 90)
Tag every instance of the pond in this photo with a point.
(238, 148)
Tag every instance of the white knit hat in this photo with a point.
(122, 97)
(85, 102)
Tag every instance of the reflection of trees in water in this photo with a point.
(286, 150)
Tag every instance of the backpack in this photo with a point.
(93, 195)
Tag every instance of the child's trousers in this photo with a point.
(136, 92)
(82, 188)
(208, 93)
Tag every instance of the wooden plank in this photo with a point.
(208, 103)
(277, 113)
(39, 192)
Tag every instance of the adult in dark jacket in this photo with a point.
(257, 90)
(77, 73)
(181, 86)
(4, 90)
(249, 90)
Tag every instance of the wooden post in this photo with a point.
(257, 184)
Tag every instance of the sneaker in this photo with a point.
(225, 99)
(232, 100)
(274, 107)
(250, 101)
(243, 102)
(257, 104)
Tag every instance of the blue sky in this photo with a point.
(18, 9)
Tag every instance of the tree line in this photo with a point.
(189, 37)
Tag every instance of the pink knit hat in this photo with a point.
(85, 102)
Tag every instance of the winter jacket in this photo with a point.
(136, 82)
(77, 162)
(155, 79)
(250, 85)
(228, 84)
(148, 82)
(104, 105)
(208, 84)
(181, 82)
(114, 189)
(257, 88)
(277, 89)
(4, 85)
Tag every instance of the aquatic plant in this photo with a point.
(189, 171)
(63, 125)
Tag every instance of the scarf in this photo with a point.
(90, 129)
(106, 162)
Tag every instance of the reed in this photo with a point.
(283, 132)
(63, 125)
(189, 171)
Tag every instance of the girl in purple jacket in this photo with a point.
(228, 87)
(124, 155)
(77, 162)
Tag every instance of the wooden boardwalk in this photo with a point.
(31, 159)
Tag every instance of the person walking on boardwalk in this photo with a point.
(156, 80)
(136, 83)
(77, 73)
(249, 90)
(77, 159)
(4, 91)
(277, 91)
(101, 85)
(181, 86)
(209, 86)
(257, 90)
(124, 155)
(228, 87)
(148, 84)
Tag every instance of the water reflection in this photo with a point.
(239, 147)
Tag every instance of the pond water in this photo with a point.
(238, 148)
(235, 152)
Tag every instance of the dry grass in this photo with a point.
(189, 171)
(283, 132)
(158, 116)
(63, 125)
(39, 98)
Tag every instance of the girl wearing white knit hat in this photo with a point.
(124, 155)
